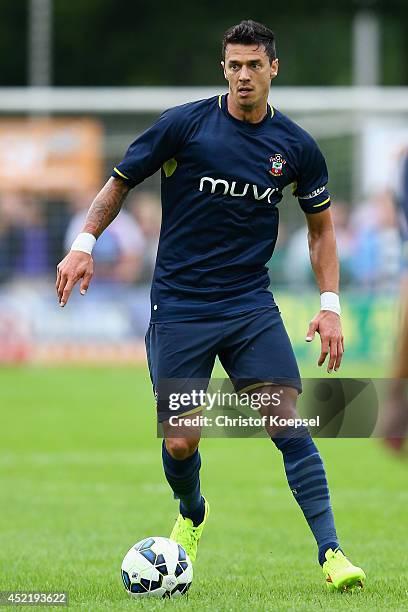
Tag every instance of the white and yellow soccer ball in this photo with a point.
(157, 567)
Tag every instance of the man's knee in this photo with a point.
(181, 448)
(282, 404)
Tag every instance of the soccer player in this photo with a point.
(225, 161)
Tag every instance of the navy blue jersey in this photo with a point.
(222, 180)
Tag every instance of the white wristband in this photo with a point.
(330, 301)
(84, 242)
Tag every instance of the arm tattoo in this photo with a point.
(106, 206)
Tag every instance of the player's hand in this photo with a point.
(75, 266)
(328, 325)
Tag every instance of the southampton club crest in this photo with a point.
(277, 162)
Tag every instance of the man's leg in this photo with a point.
(181, 464)
(259, 349)
(307, 480)
(304, 470)
(181, 357)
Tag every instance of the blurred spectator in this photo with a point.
(297, 260)
(146, 209)
(118, 253)
(32, 259)
(367, 242)
(345, 241)
(376, 260)
(24, 238)
(9, 236)
(58, 217)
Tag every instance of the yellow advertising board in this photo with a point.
(50, 155)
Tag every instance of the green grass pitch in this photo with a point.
(81, 481)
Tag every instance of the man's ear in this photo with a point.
(274, 68)
(223, 68)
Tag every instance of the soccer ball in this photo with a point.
(157, 567)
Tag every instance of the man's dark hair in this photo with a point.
(250, 32)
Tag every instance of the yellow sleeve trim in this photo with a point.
(321, 203)
(121, 174)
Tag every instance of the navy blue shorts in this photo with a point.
(253, 348)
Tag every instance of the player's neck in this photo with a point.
(253, 115)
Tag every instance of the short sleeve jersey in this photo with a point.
(221, 182)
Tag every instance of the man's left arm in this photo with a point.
(325, 264)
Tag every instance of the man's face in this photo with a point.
(249, 73)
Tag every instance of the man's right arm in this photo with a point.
(143, 158)
(106, 206)
(79, 264)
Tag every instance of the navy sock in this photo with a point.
(307, 481)
(183, 477)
